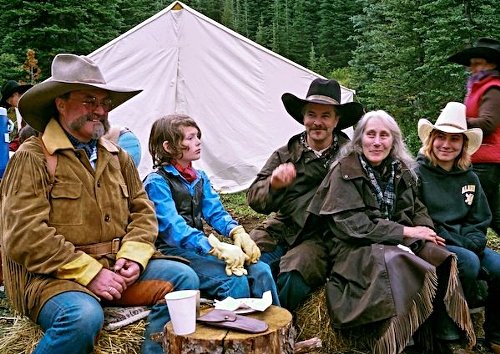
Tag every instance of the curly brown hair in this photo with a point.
(168, 128)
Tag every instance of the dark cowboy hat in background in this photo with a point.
(328, 92)
(9, 88)
(485, 48)
(69, 73)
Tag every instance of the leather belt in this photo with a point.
(101, 248)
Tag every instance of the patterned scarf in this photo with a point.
(90, 148)
(187, 172)
(479, 76)
(328, 155)
(382, 184)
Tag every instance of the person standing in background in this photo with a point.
(11, 93)
(483, 111)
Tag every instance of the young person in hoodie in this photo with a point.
(458, 207)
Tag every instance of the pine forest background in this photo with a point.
(392, 52)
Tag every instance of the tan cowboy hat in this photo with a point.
(69, 73)
(328, 92)
(452, 120)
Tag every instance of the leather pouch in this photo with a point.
(230, 320)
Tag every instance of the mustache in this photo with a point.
(99, 131)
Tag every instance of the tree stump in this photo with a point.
(278, 339)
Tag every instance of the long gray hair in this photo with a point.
(399, 150)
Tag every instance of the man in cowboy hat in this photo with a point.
(483, 111)
(78, 228)
(11, 93)
(287, 183)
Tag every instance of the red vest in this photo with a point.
(489, 152)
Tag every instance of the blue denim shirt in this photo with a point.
(172, 228)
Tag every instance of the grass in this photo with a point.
(236, 204)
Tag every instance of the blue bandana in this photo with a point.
(89, 147)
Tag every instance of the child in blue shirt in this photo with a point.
(183, 197)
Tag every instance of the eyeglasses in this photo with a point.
(92, 103)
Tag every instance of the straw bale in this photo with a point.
(24, 335)
(312, 320)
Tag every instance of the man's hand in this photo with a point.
(283, 176)
(243, 240)
(107, 285)
(232, 255)
(129, 270)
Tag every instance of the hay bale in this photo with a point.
(24, 335)
(312, 320)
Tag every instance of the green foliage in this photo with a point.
(236, 203)
(10, 69)
(50, 28)
(343, 76)
(335, 29)
(400, 63)
(392, 52)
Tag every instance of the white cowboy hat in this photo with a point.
(69, 73)
(452, 120)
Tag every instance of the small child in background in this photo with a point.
(183, 197)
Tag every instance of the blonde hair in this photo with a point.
(462, 161)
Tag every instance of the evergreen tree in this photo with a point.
(335, 30)
(72, 26)
(228, 16)
(311, 64)
(400, 62)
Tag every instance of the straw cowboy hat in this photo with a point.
(452, 120)
(485, 48)
(324, 91)
(9, 88)
(69, 73)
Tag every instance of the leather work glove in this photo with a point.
(243, 240)
(232, 255)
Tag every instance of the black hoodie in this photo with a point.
(456, 203)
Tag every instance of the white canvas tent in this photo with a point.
(188, 63)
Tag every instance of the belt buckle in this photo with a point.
(115, 245)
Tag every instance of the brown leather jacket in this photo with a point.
(43, 227)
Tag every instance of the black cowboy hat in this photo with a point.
(327, 92)
(9, 88)
(485, 48)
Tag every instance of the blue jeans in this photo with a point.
(469, 266)
(72, 320)
(489, 175)
(293, 289)
(273, 258)
(216, 284)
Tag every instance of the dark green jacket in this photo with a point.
(456, 203)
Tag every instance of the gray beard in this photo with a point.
(98, 132)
